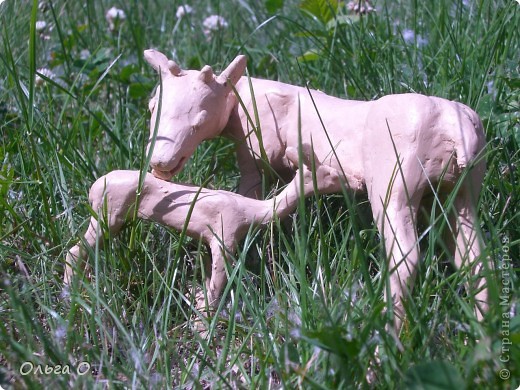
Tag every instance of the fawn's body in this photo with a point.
(218, 218)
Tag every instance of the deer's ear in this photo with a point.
(161, 63)
(206, 74)
(234, 71)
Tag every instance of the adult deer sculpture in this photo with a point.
(395, 149)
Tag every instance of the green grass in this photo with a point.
(304, 304)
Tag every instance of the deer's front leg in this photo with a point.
(250, 184)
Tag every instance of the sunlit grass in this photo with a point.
(303, 307)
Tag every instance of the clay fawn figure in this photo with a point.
(219, 218)
(395, 149)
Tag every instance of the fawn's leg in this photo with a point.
(216, 278)
(76, 256)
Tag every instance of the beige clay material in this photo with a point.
(395, 149)
(219, 218)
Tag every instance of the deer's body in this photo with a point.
(395, 149)
(353, 137)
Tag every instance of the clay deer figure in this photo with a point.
(395, 149)
(219, 218)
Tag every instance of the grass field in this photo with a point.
(303, 308)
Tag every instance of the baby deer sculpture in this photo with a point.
(219, 218)
(395, 149)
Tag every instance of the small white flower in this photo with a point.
(156, 379)
(214, 23)
(409, 38)
(84, 54)
(80, 79)
(39, 81)
(60, 332)
(65, 293)
(40, 25)
(114, 16)
(364, 8)
(43, 6)
(137, 358)
(491, 88)
(408, 35)
(11, 194)
(295, 333)
(421, 41)
(183, 10)
(115, 13)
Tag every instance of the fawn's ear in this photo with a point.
(174, 68)
(234, 71)
(161, 63)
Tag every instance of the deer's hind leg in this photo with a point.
(468, 245)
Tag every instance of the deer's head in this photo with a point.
(195, 106)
